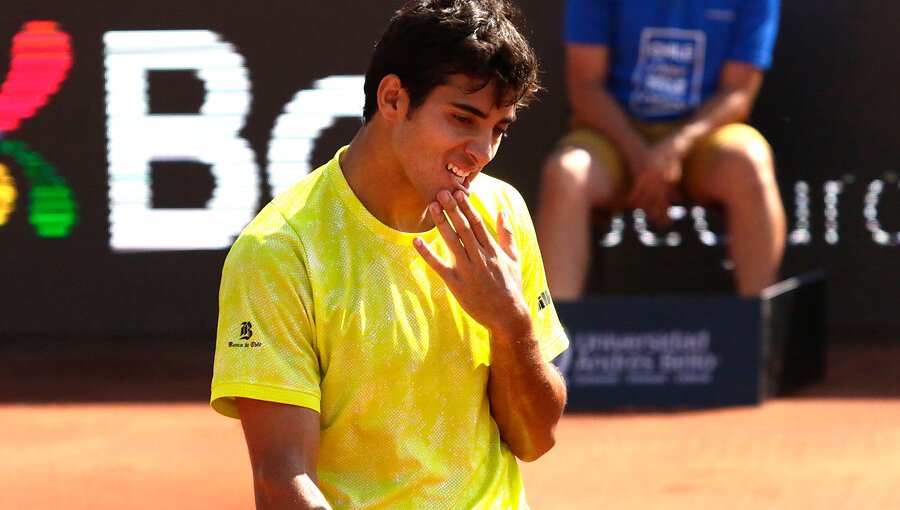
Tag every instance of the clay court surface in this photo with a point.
(100, 429)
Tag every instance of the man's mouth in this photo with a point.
(461, 176)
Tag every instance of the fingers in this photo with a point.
(652, 197)
(451, 237)
(505, 236)
(635, 197)
(658, 212)
(465, 232)
(468, 223)
(431, 258)
(476, 223)
(645, 194)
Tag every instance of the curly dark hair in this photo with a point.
(429, 40)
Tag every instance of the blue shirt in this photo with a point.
(666, 56)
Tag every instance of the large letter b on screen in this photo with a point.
(138, 138)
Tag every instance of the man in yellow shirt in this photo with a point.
(385, 331)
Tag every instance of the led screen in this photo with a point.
(137, 139)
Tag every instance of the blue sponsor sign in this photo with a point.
(694, 351)
(663, 352)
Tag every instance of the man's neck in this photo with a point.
(377, 180)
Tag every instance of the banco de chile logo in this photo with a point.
(246, 330)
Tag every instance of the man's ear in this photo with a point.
(392, 98)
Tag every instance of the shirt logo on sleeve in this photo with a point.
(246, 333)
(246, 330)
(543, 300)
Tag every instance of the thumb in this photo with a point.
(505, 235)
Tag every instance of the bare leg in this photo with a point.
(573, 183)
(742, 179)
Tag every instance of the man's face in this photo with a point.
(445, 142)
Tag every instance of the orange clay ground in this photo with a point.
(833, 445)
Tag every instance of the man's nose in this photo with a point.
(481, 149)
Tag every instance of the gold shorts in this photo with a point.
(695, 164)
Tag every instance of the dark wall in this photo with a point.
(829, 107)
(831, 110)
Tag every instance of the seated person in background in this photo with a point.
(658, 90)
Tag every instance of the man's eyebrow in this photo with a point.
(480, 114)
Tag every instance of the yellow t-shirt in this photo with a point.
(325, 307)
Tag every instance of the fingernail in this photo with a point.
(444, 196)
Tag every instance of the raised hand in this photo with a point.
(485, 274)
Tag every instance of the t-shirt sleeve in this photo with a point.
(586, 22)
(547, 326)
(265, 341)
(756, 33)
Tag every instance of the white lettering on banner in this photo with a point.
(648, 238)
(873, 196)
(801, 233)
(832, 190)
(642, 358)
(308, 114)
(137, 138)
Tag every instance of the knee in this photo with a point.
(745, 170)
(565, 173)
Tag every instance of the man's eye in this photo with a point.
(462, 119)
(501, 133)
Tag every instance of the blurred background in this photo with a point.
(138, 138)
(128, 168)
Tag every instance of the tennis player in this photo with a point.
(385, 331)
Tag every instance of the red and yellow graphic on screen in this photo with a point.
(41, 56)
